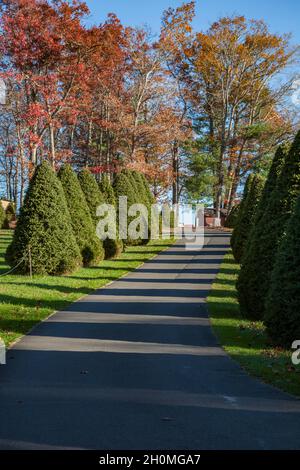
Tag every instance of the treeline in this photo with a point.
(57, 226)
(266, 241)
(226, 74)
(109, 97)
(98, 96)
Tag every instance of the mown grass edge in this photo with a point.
(244, 340)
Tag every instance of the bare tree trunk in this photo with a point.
(33, 156)
(22, 181)
(22, 166)
(233, 194)
(175, 164)
(221, 176)
(220, 185)
(52, 145)
(16, 183)
(236, 178)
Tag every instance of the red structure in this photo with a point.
(210, 216)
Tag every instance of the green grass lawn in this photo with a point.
(25, 302)
(246, 341)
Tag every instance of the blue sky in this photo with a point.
(282, 16)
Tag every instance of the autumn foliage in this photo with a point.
(226, 75)
(90, 96)
(108, 97)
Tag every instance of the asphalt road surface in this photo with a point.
(136, 365)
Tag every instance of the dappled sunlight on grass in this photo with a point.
(246, 341)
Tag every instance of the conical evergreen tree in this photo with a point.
(10, 215)
(150, 198)
(123, 187)
(148, 191)
(232, 217)
(278, 211)
(247, 218)
(138, 198)
(83, 227)
(272, 179)
(91, 191)
(143, 199)
(93, 197)
(282, 316)
(107, 191)
(252, 275)
(112, 247)
(44, 227)
(280, 208)
(235, 233)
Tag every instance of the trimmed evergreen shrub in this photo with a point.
(123, 187)
(150, 197)
(144, 198)
(235, 232)
(91, 191)
(148, 191)
(10, 215)
(2, 215)
(113, 248)
(271, 230)
(140, 198)
(139, 184)
(90, 246)
(232, 217)
(44, 225)
(282, 316)
(131, 179)
(247, 217)
(251, 275)
(107, 191)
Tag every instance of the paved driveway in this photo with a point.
(135, 365)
